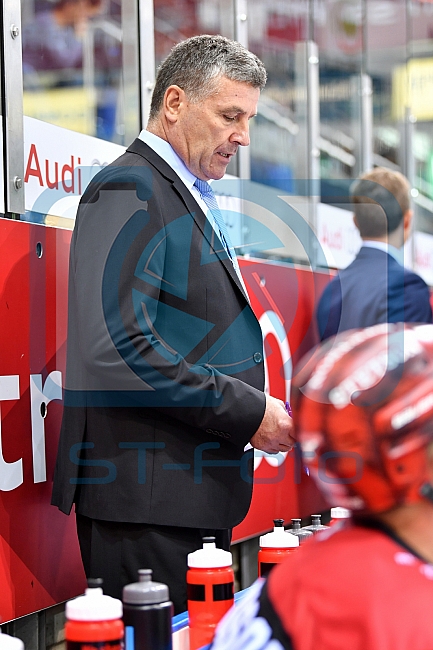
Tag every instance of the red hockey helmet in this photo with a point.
(363, 414)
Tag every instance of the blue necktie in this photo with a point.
(208, 197)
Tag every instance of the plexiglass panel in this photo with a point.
(386, 28)
(338, 31)
(274, 29)
(78, 65)
(176, 20)
(419, 79)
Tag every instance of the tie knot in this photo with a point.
(203, 187)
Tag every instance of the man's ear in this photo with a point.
(174, 102)
(407, 219)
(407, 222)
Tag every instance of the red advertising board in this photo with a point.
(283, 298)
(39, 558)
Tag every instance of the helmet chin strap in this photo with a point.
(426, 491)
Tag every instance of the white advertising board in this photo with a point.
(423, 256)
(337, 235)
(340, 241)
(58, 164)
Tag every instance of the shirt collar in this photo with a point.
(167, 153)
(396, 253)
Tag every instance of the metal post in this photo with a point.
(241, 35)
(366, 90)
(307, 117)
(13, 129)
(362, 122)
(146, 37)
(408, 164)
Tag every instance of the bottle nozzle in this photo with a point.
(278, 523)
(144, 575)
(94, 586)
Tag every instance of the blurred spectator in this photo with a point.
(54, 40)
(376, 287)
(74, 43)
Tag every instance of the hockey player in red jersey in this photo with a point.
(363, 413)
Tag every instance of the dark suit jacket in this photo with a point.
(373, 289)
(164, 381)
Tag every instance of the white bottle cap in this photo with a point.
(209, 557)
(279, 538)
(10, 642)
(340, 513)
(94, 606)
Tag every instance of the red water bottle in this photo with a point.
(210, 591)
(338, 514)
(275, 547)
(94, 621)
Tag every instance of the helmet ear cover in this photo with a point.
(407, 467)
(342, 455)
(354, 461)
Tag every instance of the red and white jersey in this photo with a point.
(349, 588)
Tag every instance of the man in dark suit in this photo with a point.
(376, 287)
(165, 377)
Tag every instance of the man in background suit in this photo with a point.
(165, 377)
(375, 287)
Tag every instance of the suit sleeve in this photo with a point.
(328, 312)
(119, 352)
(414, 305)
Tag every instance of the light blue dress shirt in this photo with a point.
(167, 153)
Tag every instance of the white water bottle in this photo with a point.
(10, 642)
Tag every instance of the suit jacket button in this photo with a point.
(257, 357)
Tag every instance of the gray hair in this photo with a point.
(196, 64)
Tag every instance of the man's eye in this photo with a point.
(229, 118)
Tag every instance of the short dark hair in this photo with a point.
(196, 64)
(387, 190)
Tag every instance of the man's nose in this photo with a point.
(242, 134)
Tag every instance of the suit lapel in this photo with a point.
(215, 246)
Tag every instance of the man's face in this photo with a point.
(207, 134)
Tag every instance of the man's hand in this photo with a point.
(275, 431)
